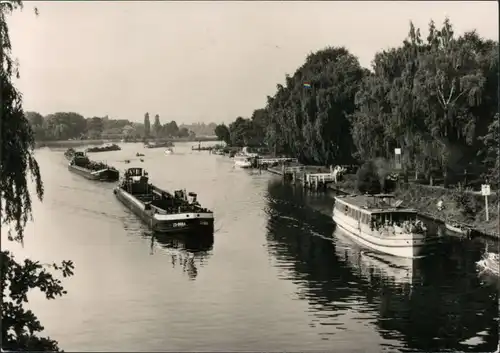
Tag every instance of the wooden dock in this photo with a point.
(313, 180)
(271, 161)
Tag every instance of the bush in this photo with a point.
(467, 204)
(367, 179)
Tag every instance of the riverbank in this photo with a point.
(463, 207)
(77, 143)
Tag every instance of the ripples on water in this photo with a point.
(274, 277)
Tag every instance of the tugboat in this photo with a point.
(104, 148)
(162, 211)
(80, 164)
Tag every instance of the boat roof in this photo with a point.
(366, 203)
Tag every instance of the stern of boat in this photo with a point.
(197, 223)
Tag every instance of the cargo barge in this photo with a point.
(158, 144)
(104, 148)
(80, 164)
(162, 211)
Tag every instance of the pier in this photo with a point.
(312, 180)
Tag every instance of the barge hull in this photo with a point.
(103, 175)
(176, 223)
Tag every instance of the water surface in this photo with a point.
(276, 276)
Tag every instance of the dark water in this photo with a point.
(276, 277)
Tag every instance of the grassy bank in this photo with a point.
(460, 206)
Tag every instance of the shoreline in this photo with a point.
(424, 199)
(73, 143)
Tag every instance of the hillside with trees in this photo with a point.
(434, 97)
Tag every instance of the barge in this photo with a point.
(381, 225)
(80, 164)
(158, 144)
(162, 211)
(104, 148)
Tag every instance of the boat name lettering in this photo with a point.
(178, 224)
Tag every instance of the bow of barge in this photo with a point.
(83, 166)
(161, 210)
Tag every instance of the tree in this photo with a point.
(171, 129)
(222, 133)
(432, 98)
(19, 326)
(310, 121)
(63, 126)
(491, 151)
(183, 132)
(37, 123)
(367, 179)
(95, 127)
(147, 126)
(157, 126)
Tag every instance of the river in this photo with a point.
(276, 278)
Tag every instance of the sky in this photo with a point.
(201, 61)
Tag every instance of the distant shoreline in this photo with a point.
(74, 143)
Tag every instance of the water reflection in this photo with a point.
(434, 304)
(187, 251)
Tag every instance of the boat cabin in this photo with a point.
(375, 210)
(136, 181)
(79, 159)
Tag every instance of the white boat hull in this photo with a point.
(242, 164)
(408, 245)
(455, 229)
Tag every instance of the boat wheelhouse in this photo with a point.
(381, 224)
(162, 211)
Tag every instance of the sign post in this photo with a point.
(486, 191)
(397, 159)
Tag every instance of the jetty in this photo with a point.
(312, 178)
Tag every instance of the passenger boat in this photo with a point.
(80, 164)
(490, 263)
(162, 211)
(381, 225)
(242, 161)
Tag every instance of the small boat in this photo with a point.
(381, 225)
(162, 211)
(80, 164)
(458, 228)
(104, 148)
(139, 154)
(142, 160)
(126, 161)
(169, 151)
(242, 161)
(490, 263)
